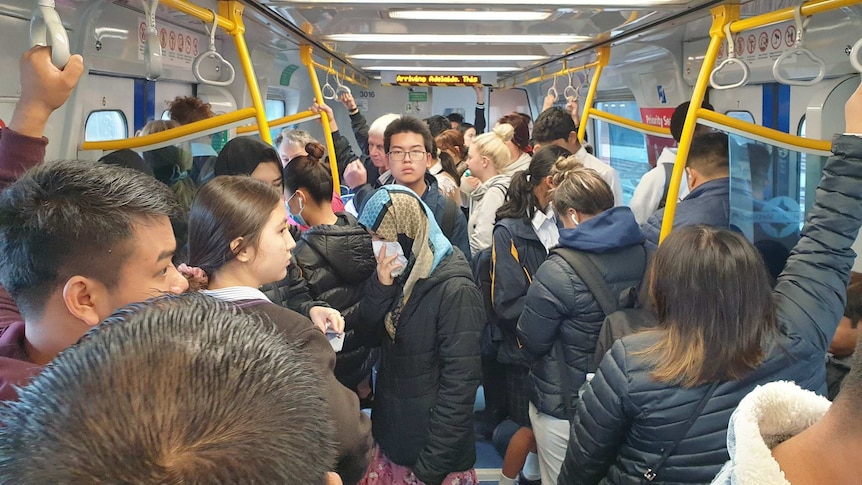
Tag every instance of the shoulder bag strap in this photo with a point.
(652, 472)
(591, 276)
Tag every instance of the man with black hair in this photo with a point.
(651, 192)
(455, 120)
(555, 126)
(437, 124)
(77, 239)
(708, 202)
(175, 390)
(408, 144)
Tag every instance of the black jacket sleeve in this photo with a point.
(546, 305)
(479, 123)
(378, 300)
(360, 131)
(343, 152)
(292, 292)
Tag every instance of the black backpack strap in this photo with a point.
(668, 173)
(450, 216)
(652, 472)
(591, 276)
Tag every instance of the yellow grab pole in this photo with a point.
(201, 13)
(232, 9)
(305, 55)
(721, 16)
(603, 55)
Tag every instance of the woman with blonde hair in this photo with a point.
(562, 317)
(486, 161)
(659, 405)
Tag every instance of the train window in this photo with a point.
(741, 115)
(624, 148)
(275, 109)
(765, 202)
(106, 125)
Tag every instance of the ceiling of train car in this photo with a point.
(486, 35)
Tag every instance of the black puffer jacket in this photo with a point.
(336, 261)
(428, 375)
(562, 319)
(626, 418)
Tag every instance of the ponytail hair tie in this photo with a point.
(196, 276)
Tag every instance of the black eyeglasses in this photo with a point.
(415, 155)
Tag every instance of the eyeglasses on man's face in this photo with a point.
(415, 155)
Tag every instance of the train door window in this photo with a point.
(274, 109)
(625, 149)
(106, 125)
(505, 101)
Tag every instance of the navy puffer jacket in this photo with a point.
(625, 418)
(562, 319)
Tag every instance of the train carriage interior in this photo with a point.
(778, 76)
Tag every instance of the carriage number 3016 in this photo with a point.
(366, 94)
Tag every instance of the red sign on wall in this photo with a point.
(656, 144)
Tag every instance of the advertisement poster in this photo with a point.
(655, 144)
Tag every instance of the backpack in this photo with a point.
(668, 173)
(491, 337)
(623, 316)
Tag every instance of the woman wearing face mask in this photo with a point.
(238, 237)
(562, 319)
(429, 367)
(525, 231)
(336, 259)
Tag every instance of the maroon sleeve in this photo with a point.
(18, 153)
(9, 313)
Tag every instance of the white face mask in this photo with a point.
(391, 248)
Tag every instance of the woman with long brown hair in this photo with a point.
(659, 405)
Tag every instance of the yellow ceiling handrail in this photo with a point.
(284, 120)
(630, 124)
(344, 77)
(198, 127)
(808, 9)
(765, 133)
(305, 54)
(200, 13)
(565, 71)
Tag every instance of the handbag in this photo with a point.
(652, 472)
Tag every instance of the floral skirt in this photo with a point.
(381, 471)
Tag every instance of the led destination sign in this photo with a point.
(436, 79)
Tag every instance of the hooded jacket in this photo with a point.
(768, 416)
(484, 202)
(336, 260)
(562, 319)
(707, 204)
(429, 373)
(516, 255)
(625, 417)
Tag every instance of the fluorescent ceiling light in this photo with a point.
(442, 68)
(448, 57)
(497, 3)
(477, 15)
(461, 38)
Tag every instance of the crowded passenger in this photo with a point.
(408, 144)
(252, 157)
(562, 316)
(651, 192)
(437, 124)
(659, 405)
(555, 126)
(846, 337)
(783, 434)
(524, 232)
(171, 164)
(170, 361)
(56, 220)
(238, 238)
(708, 177)
(336, 259)
(452, 142)
(486, 161)
(442, 167)
(429, 366)
(129, 159)
(190, 109)
(519, 147)
(291, 143)
(363, 177)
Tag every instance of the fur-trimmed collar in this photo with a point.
(766, 417)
